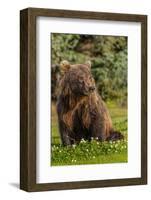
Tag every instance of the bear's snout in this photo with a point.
(91, 88)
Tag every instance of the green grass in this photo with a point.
(93, 152)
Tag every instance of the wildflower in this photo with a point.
(82, 141)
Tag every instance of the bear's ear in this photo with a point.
(88, 63)
(64, 66)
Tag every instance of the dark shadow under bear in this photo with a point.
(82, 114)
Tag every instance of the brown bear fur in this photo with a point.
(82, 114)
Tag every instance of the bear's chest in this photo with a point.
(85, 115)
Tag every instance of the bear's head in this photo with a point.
(78, 78)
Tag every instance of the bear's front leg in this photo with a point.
(97, 130)
(66, 134)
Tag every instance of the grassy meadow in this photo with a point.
(93, 152)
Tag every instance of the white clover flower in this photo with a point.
(82, 140)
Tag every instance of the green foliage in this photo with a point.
(109, 60)
(89, 152)
(64, 48)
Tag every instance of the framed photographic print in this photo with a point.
(83, 99)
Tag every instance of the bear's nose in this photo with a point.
(91, 88)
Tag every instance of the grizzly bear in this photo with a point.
(82, 114)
